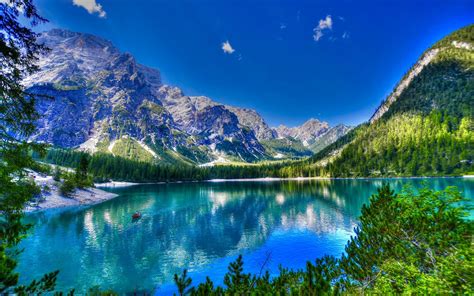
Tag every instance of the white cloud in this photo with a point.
(227, 48)
(317, 35)
(323, 25)
(91, 6)
(282, 26)
(345, 35)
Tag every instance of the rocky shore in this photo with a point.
(51, 197)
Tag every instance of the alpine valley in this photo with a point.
(94, 98)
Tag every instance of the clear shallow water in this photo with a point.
(201, 227)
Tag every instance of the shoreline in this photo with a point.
(51, 197)
(122, 184)
(81, 197)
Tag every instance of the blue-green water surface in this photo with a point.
(200, 227)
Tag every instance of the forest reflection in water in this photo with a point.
(195, 225)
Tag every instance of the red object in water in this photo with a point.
(136, 215)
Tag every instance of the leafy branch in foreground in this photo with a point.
(18, 56)
(405, 243)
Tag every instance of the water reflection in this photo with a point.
(190, 225)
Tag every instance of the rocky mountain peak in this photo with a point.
(307, 132)
(104, 100)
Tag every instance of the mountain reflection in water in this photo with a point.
(198, 226)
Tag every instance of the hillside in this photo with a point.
(423, 128)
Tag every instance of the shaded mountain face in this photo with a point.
(254, 121)
(93, 97)
(329, 137)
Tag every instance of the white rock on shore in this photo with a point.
(115, 184)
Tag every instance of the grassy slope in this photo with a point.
(289, 148)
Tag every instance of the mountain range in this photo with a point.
(92, 97)
(423, 128)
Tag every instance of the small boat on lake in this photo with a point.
(136, 215)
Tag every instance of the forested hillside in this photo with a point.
(426, 129)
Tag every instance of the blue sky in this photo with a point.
(289, 60)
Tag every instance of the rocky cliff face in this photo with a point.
(254, 121)
(91, 96)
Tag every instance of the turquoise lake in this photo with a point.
(201, 227)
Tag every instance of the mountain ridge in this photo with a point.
(423, 127)
(105, 101)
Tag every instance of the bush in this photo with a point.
(68, 186)
(57, 174)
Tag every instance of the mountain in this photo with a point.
(306, 133)
(254, 121)
(304, 140)
(424, 127)
(329, 137)
(93, 97)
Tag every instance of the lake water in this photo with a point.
(201, 227)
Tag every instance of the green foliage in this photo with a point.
(106, 166)
(129, 148)
(40, 167)
(45, 284)
(57, 174)
(79, 179)
(96, 291)
(183, 282)
(409, 145)
(235, 280)
(407, 243)
(287, 147)
(465, 34)
(68, 185)
(18, 54)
